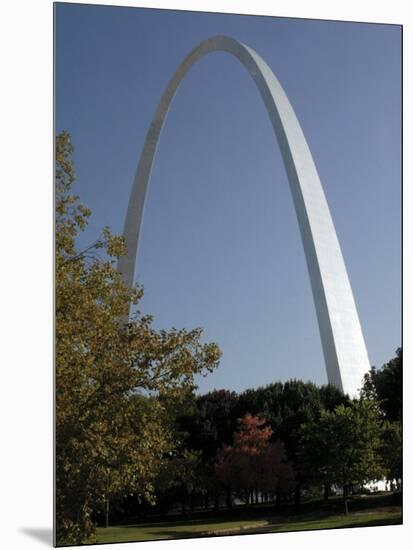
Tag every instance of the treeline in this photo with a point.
(280, 443)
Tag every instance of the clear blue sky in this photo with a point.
(220, 244)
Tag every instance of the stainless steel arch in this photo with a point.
(342, 340)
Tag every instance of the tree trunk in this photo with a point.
(326, 491)
(345, 491)
(229, 498)
(164, 507)
(297, 495)
(216, 502)
(107, 513)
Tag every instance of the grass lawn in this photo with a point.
(211, 527)
(359, 519)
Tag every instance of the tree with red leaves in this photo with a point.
(253, 465)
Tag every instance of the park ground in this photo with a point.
(367, 511)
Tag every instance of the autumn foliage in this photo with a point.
(115, 382)
(253, 464)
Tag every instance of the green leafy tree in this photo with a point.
(211, 422)
(386, 386)
(287, 406)
(114, 380)
(179, 478)
(391, 451)
(343, 446)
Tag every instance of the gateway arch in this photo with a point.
(342, 340)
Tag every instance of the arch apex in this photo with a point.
(342, 340)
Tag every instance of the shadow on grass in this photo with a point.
(175, 535)
(203, 521)
(375, 523)
(273, 527)
(311, 516)
(176, 523)
(314, 509)
(333, 524)
(269, 529)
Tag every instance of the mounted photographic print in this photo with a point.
(228, 274)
